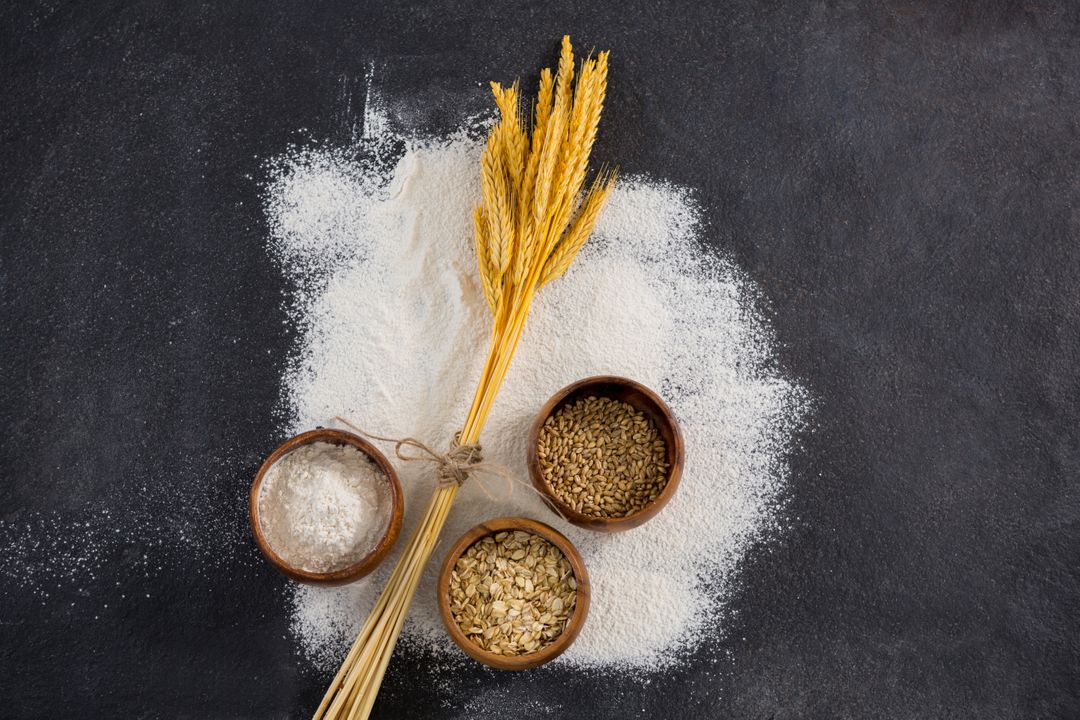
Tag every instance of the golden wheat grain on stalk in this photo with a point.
(529, 225)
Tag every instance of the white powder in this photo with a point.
(395, 332)
(323, 506)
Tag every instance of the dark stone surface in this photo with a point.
(900, 178)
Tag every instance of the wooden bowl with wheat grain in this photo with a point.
(365, 564)
(573, 625)
(641, 399)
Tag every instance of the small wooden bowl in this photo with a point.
(573, 625)
(643, 400)
(367, 563)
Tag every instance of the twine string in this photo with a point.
(456, 465)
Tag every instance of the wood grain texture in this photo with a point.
(367, 563)
(642, 399)
(573, 625)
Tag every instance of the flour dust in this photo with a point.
(377, 241)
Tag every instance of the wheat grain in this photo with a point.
(567, 249)
(526, 227)
(512, 135)
(483, 261)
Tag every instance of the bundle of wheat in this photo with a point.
(531, 222)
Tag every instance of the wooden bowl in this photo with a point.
(643, 400)
(367, 563)
(573, 625)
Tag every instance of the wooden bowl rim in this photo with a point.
(677, 454)
(367, 563)
(573, 625)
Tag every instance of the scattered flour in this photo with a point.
(395, 332)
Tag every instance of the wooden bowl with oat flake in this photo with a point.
(513, 593)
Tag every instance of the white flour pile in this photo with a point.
(395, 331)
(323, 507)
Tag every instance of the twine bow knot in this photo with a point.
(452, 467)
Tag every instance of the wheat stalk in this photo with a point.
(526, 234)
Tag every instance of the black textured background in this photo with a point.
(900, 178)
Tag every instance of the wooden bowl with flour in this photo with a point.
(353, 570)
